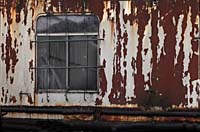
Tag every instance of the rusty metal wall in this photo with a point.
(149, 53)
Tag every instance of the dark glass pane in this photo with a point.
(42, 24)
(83, 53)
(57, 59)
(77, 57)
(91, 24)
(42, 52)
(92, 51)
(42, 61)
(51, 24)
(67, 24)
(75, 24)
(92, 79)
(57, 78)
(51, 55)
(57, 24)
(78, 79)
(42, 78)
(77, 51)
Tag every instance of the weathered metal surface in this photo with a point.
(149, 54)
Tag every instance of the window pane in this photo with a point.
(42, 61)
(78, 79)
(57, 57)
(92, 51)
(77, 51)
(91, 24)
(83, 53)
(92, 79)
(67, 24)
(51, 56)
(75, 24)
(77, 57)
(51, 24)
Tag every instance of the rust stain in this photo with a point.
(118, 90)
(104, 34)
(67, 6)
(3, 52)
(142, 20)
(29, 31)
(171, 88)
(108, 13)
(31, 45)
(11, 53)
(8, 5)
(96, 8)
(103, 84)
(149, 119)
(30, 66)
(15, 42)
(19, 6)
(78, 6)
(125, 36)
(6, 96)
(193, 68)
(3, 91)
(82, 117)
(12, 99)
(30, 99)
(11, 80)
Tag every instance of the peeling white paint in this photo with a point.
(146, 57)
(178, 38)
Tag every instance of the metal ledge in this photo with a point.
(101, 110)
(61, 125)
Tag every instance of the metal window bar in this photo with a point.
(75, 40)
(69, 67)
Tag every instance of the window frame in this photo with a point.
(67, 35)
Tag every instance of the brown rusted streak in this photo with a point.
(6, 96)
(12, 99)
(68, 6)
(31, 45)
(2, 50)
(11, 80)
(78, 6)
(30, 66)
(108, 13)
(45, 5)
(15, 42)
(125, 118)
(125, 36)
(30, 99)
(96, 8)
(173, 92)
(82, 117)
(104, 34)
(118, 90)
(103, 84)
(11, 54)
(143, 18)
(193, 68)
(149, 119)
(3, 91)
(29, 31)
(8, 5)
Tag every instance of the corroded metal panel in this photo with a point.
(149, 55)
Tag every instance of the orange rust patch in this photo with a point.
(78, 117)
(147, 119)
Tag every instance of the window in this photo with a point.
(67, 54)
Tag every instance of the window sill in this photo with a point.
(68, 91)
